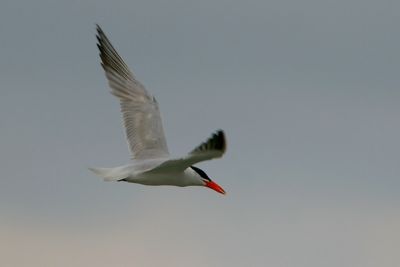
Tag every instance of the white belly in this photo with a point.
(177, 179)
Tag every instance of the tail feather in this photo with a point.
(110, 174)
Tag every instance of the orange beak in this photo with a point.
(215, 186)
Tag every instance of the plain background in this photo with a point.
(307, 92)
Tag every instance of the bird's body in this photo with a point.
(151, 163)
(146, 172)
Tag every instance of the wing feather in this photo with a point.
(214, 147)
(140, 112)
(216, 143)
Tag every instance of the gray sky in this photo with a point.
(307, 92)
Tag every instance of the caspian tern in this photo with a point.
(151, 163)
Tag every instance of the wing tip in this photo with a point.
(111, 61)
(219, 135)
(216, 142)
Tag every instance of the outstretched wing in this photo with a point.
(214, 147)
(141, 115)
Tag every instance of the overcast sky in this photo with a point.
(306, 91)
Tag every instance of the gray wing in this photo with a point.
(141, 115)
(214, 147)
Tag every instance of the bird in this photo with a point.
(151, 163)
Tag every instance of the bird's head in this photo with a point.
(206, 181)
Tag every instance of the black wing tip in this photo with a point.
(216, 142)
(110, 59)
(102, 40)
(220, 140)
(100, 34)
(100, 31)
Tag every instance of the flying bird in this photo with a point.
(151, 162)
